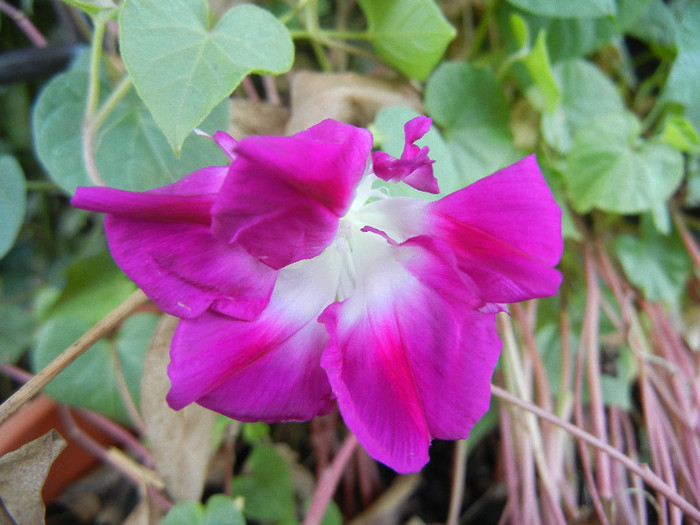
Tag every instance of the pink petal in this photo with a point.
(185, 270)
(506, 232)
(414, 167)
(188, 200)
(162, 240)
(284, 195)
(267, 369)
(227, 143)
(410, 358)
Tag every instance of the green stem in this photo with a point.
(41, 185)
(482, 30)
(117, 95)
(311, 23)
(289, 15)
(346, 35)
(93, 100)
(95, 59)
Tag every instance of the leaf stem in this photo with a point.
(312, 26)
(98, 34)
(39, 381)
(93, 98)
(114, 98)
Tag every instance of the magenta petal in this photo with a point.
(506, 232)
(185, 270)
(284, 195)
(267, 369)
(188, 200)
(227, 143)
(410, 358)
(162, 240)
(414, 167)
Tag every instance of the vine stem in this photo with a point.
(39, 381)
(643, 472)
(93, 99)
(328, 481)
(24, 24)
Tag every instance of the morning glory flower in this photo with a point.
(301, 285)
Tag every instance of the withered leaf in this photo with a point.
(179, 440)
(22, 475)
(347, 97)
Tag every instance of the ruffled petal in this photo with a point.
(506, 232)
(410, 358)
(267, 369)
(414, 167)
(284, 195)
(162, 240)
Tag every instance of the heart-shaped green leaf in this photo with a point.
(467, 102)
(568, 9)
(612, 169)
(182, 68)
(410, 35)
(131, 151)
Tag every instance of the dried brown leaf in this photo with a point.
(249, 117)
(347, 97)
(22, 476)
(179, 440)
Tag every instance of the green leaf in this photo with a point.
(218, 510)
(13, 200)
(183, 69)
(567, 38)
(466, 101)
(410, 35)
(684, 78)
(536, 61)
(567, 8)
(91, 381)
(221, 509)
(680, 133)
(256, 432)
(657, 264)
(185, 513)
(16, 332)
(389, 124)
(92, 7)
(612, 169)
(131, 151)
(267, 491)
(585, 94)
(93, 287)
(655, 25)
(616, 391)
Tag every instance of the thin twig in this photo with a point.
(590, 344)
(24, 24)
(643, 471)
(39, 381)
